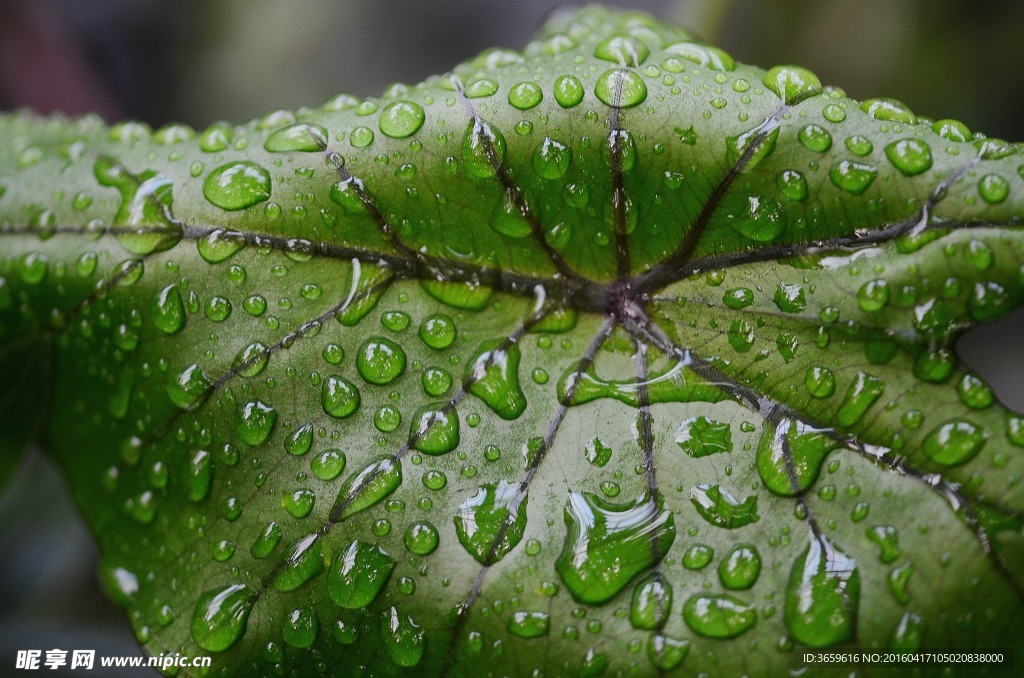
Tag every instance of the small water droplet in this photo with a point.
(568, 91)
(255, 422)
(339, 397)
(740, 567)
(168, 310)
(525, 95)
(421, 538)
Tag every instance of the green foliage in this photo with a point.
(581, 359)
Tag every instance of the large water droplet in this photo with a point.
(651, 603)
(954, 442)
(624, 50)
(852, 177)
(401, 119)
(621, 87)
(665, 652)
(380, 361)
(367, 486)
(199, 476)
(790, 455)
(300, 137)
(551, 159)
(890, 110)
(305, 560)
(168, 310)
(421, 538)
(299, 627)
(255, 422)
(700, 436)
(435, 430)
(525, 95)
(493, 376)
(718, 615)
(720, 508)
(763, 220)
(862, 394)
(606, 544)
(483, 149)
(358, 575)
(910, 156)
(143, 221)
(823, 595)
(491, 523)
(791, 83)
(740, 567)
(188, 389)
(403, 638)
(339, 397)
(529, 624)
(237, 185)
(218, 245)
(220, 615)
(909, 633)
(707, 56)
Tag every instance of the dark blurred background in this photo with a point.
(197, 61)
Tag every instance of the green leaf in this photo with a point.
(586, 358)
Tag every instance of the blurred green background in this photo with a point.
(196, 61)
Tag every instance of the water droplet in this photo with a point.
(358, 575)
(220, 616)
(438, 331)
(974, 392)
(834, 113)
(700, 436)
(218, 309)
(493, 376)
(251, 360)
(790, 455)
(597, 453)
(697, 557)
(993, 188)
(910, 156)
(909, 633)
(852, 177)
(366, 487)
(483, 149)
(328, 465)
(790, 298)
(255, 422)
(666, 653)
(237, 185)
(168, 310)
(491, 523)
(360, 137)
(955, 442)
(421, 538)
(299, 503)
(651, 603)
(620, 87)
(740, 567)
(551, 159)
(403, 638)
(508, 219)
(299, 627)
(718, 615)
(199, 476)
(624, 50)
(188, 389)
(815, 138)
(300, 137)
(568, 91)
(305, 560)
(216, 138)
(889, 110)
(873, 295)
(606, 544)
(266, 541)
(218, 245)
(707, 56)
(823, 595)
(793, 185)
(763, 220)
(529, 624)
(720, 508)
(861, 395)
(436, 381)
(751, 147)
(525, 95)
(339, 397)
(143, 217)
(380, 361)
(387, 418)
(887, 539)
(819, 381)
(434, 430)
(791, 83)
